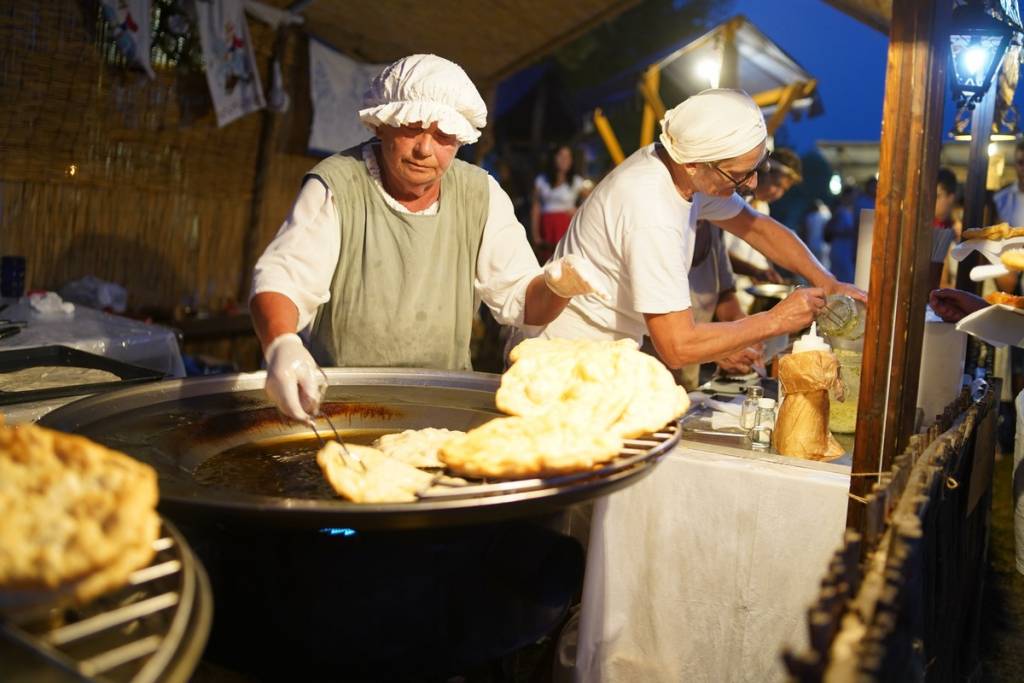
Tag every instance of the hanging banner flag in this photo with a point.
(129, 20)
(337, 85)
(231, 72)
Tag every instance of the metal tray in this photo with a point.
(176, 425)
(21, 359)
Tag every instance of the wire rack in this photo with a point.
(152, 629)
(637, 452)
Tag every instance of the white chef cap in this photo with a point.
(425, 89)
(713, 125)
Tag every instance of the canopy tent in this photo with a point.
(763, 69)
(489, 40)
(733, 54)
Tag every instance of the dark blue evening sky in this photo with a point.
(846, 56)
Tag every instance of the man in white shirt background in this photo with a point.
(637, 227)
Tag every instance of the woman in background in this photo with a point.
(556, 194)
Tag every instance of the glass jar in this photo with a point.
(842, 318)
(842, 416)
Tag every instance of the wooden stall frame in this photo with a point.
(899, 288)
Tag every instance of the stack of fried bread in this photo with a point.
(573, 403)
(996, 298)
(76, 518)
(999, 231)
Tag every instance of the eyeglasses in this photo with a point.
(761, 165)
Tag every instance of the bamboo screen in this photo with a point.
(108, 173)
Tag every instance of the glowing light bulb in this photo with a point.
(835, 184)
(710, 69)
(975, 59)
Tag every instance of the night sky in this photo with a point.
(846, 56)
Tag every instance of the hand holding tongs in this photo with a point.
(317, 411)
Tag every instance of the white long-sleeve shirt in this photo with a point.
(300, 262)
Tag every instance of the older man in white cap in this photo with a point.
(637, 230)
(392, 244)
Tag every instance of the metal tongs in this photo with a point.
(322, 392)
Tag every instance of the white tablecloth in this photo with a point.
(704, 570)
(86, 329)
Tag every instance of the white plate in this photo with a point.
(990, 249)
(999, 325)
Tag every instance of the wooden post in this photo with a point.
(901, 250)
(974, 186)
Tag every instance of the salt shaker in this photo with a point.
(761, 436)
(748, 411)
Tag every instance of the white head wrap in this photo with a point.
(425, 89)
(713, 125)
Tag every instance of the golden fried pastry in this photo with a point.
(1005, 299)
(76, 518)
(369, 476)
(416, 447)
(515, 447)
(1013, 259)
(588, 382)
(606, 385)
(658, 399)
(992, 232)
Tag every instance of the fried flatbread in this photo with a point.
(515, 447)
(607, 385)
(370, 476)
(416, 447)
(1013, 259)
(991, 232)
(75, 517)
(1005, 299)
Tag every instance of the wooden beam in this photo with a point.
(901, 250)
(652, 98)
(767, 98)
(604, 128)
(729, 74)
(790, 96)
(650, 82)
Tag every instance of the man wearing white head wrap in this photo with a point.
(392, 245)
(637, 229)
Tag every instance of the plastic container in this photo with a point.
(811, 342)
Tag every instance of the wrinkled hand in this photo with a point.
(798, 310)
(769, 274)
(294, 382)
(952, 305)
(849, 290)
(742, 362)
(572, 276)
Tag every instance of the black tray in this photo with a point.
(20, 359)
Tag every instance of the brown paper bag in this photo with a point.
(801, 430)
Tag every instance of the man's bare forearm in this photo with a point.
(542, 305)
(273, 314)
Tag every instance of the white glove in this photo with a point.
(294, 382)
(572, 276)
